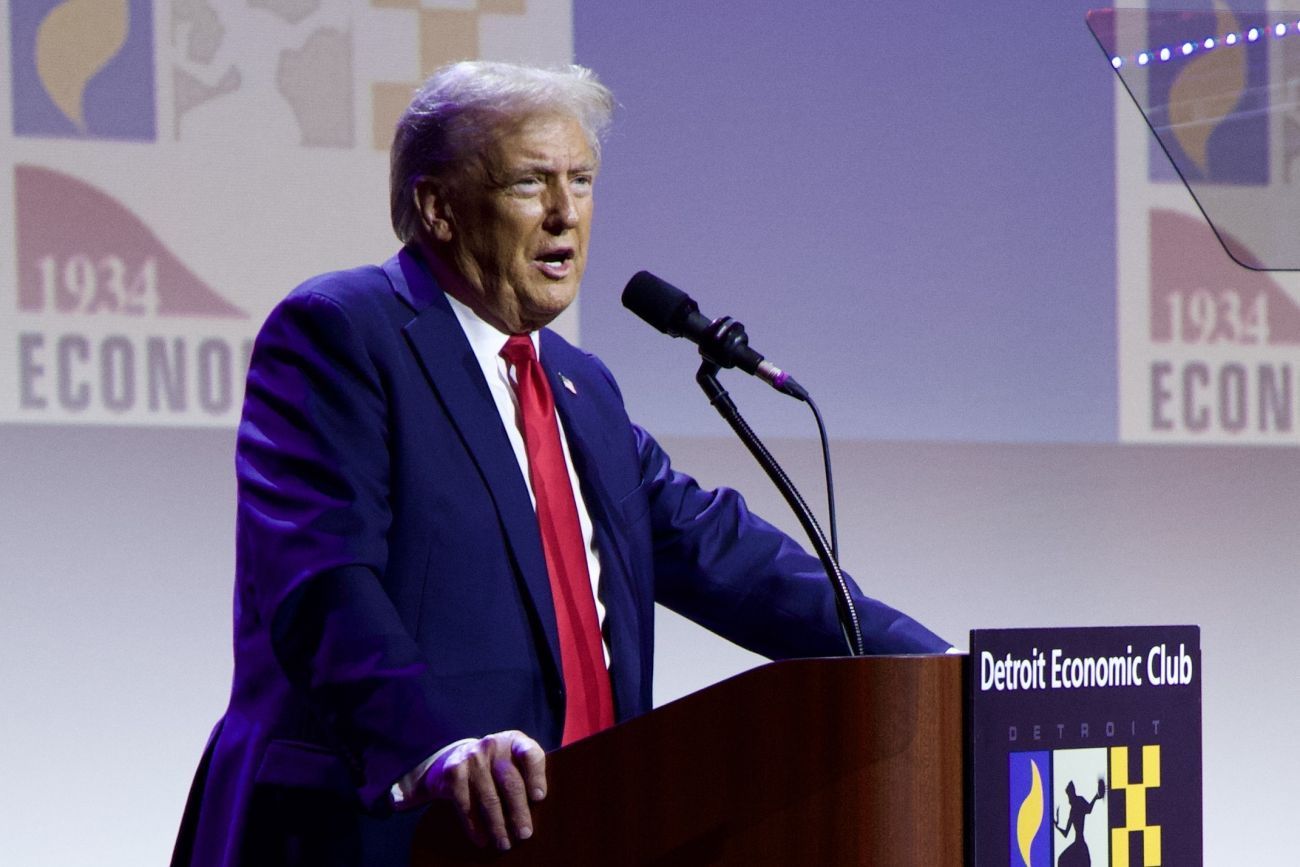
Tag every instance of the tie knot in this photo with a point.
(518, 349)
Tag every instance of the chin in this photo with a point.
(555, 300)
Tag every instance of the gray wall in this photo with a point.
(117, 563)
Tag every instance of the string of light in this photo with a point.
(1166, 53)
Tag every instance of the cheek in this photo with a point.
(502, 252)
(519, 239)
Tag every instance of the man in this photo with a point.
(436, 581)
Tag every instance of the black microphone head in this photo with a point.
(658, 302)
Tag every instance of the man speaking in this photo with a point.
(450, 536)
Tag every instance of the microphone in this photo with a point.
(722, 341)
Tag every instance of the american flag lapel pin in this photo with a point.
(568, 384)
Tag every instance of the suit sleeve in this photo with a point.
(313, 472)
(732, 572)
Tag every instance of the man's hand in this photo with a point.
(491, 781)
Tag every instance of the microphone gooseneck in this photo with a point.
(722, 341)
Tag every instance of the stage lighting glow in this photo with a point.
(1209, 43)
(1117, 62)
(1144, 59)
(1279, 30)
(1252, 34)
(1188, 48)
(1165, 54)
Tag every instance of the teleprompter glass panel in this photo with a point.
(1220, 88)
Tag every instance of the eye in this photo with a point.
(526, 184)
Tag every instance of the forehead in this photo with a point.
(557, 140)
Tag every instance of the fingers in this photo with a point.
(530, 758)
(513, 802)
(456, 782)
(486, 805)
(491, 782)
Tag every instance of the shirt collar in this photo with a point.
(485, 339)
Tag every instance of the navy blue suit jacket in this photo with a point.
(392, 594)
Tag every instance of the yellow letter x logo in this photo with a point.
(1135, 806)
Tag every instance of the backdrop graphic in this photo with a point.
(1207, 348)
(1085, 746)
(946, 221)
(140, 133)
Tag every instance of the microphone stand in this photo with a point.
(707, 377)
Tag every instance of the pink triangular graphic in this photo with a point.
(71, 234)
(1187, 258)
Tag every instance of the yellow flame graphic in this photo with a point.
(1206, 91)
(1030, 816)
(74, 42)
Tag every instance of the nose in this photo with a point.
(562, 214)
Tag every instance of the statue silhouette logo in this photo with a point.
(1080, 815)
(83, 69)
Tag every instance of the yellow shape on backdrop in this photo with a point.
(1030, 815)
(76, 40)
(445, 35)
(1206, 92)
(1135, 807)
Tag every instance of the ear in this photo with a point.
(432, 203)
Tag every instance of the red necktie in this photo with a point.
(589, 704)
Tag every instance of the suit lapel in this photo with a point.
(445, 355)
(586, 429)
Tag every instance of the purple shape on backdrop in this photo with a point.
(118, 102)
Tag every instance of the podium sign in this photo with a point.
(1085, 746)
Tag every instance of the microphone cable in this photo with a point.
(850, 625)
(830, 479)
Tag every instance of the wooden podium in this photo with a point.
(817, 761)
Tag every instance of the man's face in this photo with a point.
(518, 223)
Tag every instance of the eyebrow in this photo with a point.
(542, 167)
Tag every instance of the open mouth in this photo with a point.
(556, 263)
